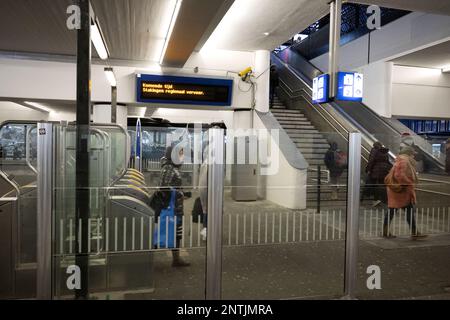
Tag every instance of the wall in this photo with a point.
(287, 187)
(420, 92)
(14, 111)
(410, 33)
(377, 91)
(57, 80)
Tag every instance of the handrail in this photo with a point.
(27, 150)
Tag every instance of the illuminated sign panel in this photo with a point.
(184, 90)
(350, 86)
(320, 88)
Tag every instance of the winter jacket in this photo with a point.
(330, 162)
(404, 173)
(170, 178)
(379, 165)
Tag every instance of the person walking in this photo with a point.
(369, 186)
(274, 82)
(335, 163)
(401, 184)
(447, 156)
(170, 179)
(379, 169)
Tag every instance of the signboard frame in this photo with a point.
(346, 84)
(171, 79)
(326, 88)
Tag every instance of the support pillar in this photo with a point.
(82, 195)
(335, 39)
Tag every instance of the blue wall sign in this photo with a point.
(321, 88)
(184, 90)
(350, 86)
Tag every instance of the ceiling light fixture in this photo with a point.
(266, 33)
(109, 73)
(446, 69)
(98, 40)
(176, 10)
(37, 106)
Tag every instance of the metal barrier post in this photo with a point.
(352, 223)
(216, 158)
(319, 182)
(44, 211)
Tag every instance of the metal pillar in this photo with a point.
(335, 39)
(352, 223)
(82, 195)
(113, 104)
(216, 166)
(44, 211)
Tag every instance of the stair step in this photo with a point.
(306, 151)
(312, 146)
(292, 120)
(315, 141)
(287, 111)
(290, 116)
(298, 126)
(312, 156)
(299, 132)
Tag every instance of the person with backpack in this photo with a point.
(336, 162)
(401, 183)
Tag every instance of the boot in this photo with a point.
(178, 261)
(418, 236)
(387, 233)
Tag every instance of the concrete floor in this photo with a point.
(304, 270)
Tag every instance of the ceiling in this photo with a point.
(244, 25)
(436, 56)
(430, 6)
(133, 29)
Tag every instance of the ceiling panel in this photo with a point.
(437, 56)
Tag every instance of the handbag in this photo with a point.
(164, 236)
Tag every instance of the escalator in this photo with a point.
(296, 75)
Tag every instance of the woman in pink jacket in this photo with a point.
(401, 184)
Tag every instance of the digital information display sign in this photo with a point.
(321, 88)
(184, 90)
(350, 86)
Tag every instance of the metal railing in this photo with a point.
(129, 234)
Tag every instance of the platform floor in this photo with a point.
(305, 270)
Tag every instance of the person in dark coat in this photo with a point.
(274, 82)
(335, 170)
(380, 167)
(447, 156)
(170, 178)
(369, 185)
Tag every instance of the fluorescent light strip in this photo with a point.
(98, 42)
(446, 69)
(169, 32)
(109, 73)
(37, 106)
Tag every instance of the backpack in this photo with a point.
(340, 159)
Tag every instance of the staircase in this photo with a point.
(313, 146)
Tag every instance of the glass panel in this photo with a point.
(133, 253)
(404, 240)
(18, 206)
(284, 215)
